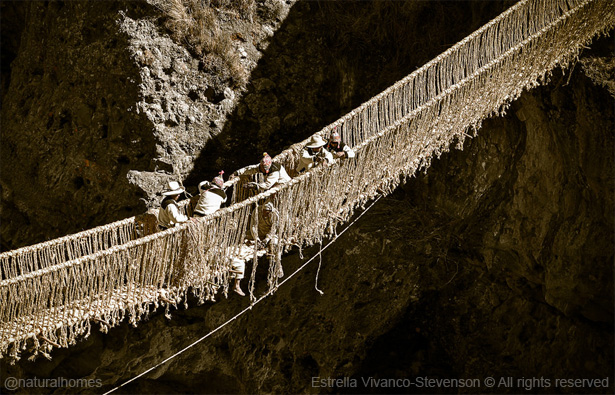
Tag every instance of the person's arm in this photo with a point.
(242, 171)
(176, 216)
(328, 157)
(349, 152)
(284, 177)
(306, 162)
(270, 180)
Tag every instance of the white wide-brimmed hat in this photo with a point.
(315, 142)
(173, 188)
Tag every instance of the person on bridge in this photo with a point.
(313, 155)
(265, 231)
(212, 195)
(169, 214)
(337, 148)
(266, 176)
(238, 267)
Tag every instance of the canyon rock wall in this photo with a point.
(69, 130)
(101, 107)
(496, 262)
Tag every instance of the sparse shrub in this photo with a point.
(271, 10)
(179, 19)
(220, 3)
(193, 23)
(246, 8)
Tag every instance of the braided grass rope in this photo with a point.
(49, 253)
(49, 293)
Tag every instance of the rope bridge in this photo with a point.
(50, 293)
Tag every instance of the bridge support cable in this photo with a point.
(255, 302)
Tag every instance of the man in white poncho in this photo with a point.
(212, 195)
(314, 154)
(266, 176)
(169, 214)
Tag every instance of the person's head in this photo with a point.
(266, 162)
(316, 143)
(173, 190)
(218, 181)
(335, 139)
(267, 209)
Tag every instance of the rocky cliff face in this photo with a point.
(102, 108)
(496, 262)
(69, 130)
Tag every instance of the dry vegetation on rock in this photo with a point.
(194, 24)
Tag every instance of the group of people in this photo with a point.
(267, 175)
(211, 197)
(320, 152)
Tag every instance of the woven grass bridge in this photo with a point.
(53, 293)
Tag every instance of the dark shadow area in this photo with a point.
(69, 136)
(406, 354)
(12, 15)
(326, 59)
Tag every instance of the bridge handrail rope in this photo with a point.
(395, 133)
(84, 243)
(39, 253)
